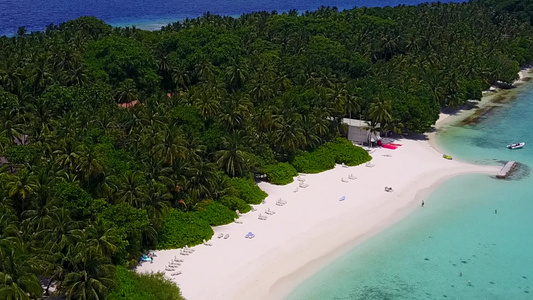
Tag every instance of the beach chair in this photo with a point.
(303, 185)
(261, 217)
(220, 235)
(226, 236)
(370, 165)
(249, 235)
(344, 166)
(269, 212)
(254, 209)
(343, 180)
(296, 190)
(176, 273)
(238, 222)
(342, 198)
(264, 202)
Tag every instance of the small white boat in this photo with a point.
(516, 146)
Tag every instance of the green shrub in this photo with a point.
(215, 213)
(281, 173)
(324, 158)
(235, 203)
(345, 152)
(75, 199)
(315, 161)
(247, 190)
(133, 286)
(181, 229)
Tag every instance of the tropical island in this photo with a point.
(117, 141)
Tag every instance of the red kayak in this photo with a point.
(389, 146)
(396, 145)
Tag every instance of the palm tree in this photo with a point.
(233, 159)
(289, 134)
(170, 146)
(131, 189)
(126, 92)
(21, 186)
(102, 237)
(17, 270)
(90, 278)
(380, 111)
(235, 76)
(90, 165)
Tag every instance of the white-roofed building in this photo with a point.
(359, 131)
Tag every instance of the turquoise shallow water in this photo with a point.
(457, 236)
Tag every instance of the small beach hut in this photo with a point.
(359, 131)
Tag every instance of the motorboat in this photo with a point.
(516, 146)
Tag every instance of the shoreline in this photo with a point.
(314, 228)
(314, 225)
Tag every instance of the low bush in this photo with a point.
(315, 161)
(133, 286)
(181, 229)
(247, 190)
(215, 213)
(281, 173)
(324, 158)
(345, 152)
(235, 203)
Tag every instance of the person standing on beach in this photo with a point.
(422, 203)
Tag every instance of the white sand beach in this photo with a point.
(314, 227)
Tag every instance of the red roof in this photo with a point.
(128, 104)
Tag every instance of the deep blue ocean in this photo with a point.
(152, 14)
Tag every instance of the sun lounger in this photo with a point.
(303, 185)
(226, 236)
(176, 273)
(238, 222)
(370, 165)
(342, 198)
(261, 217)
(296, 190)
(351, 177)
(344, 166)
(220, 235)
(264, 202)
(300, 179)
(344, 180)
(254, 209)
(269, 212)
(249, 235)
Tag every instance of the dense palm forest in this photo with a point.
(87, 185)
